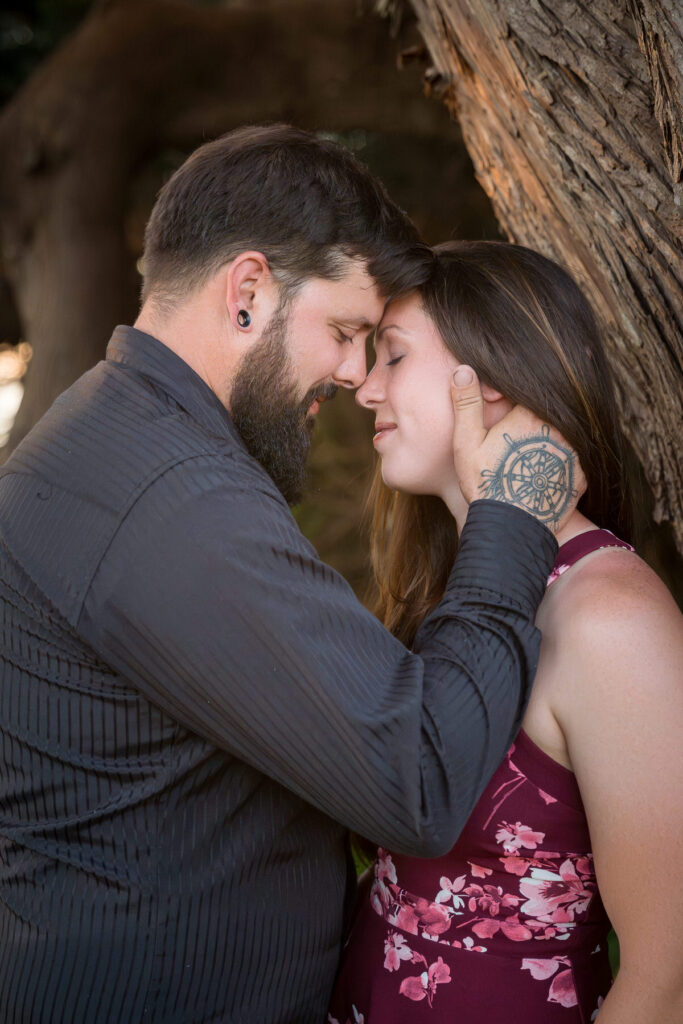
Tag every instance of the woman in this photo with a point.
(581, 824)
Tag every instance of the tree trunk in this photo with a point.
(140, 77)
(573, 115)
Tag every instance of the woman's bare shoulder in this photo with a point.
(612, 641)
(610, 586)
(616, 616)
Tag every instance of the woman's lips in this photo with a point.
(382, 430)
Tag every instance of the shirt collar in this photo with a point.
(154, 360)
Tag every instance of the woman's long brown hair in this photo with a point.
(528, 331)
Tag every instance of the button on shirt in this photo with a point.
(194, 710)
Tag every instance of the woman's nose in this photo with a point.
(371, 391)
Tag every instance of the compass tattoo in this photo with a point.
(537, 475)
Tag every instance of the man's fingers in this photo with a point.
(468, 404)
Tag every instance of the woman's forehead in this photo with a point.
(406, 318)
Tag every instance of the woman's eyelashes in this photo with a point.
(396, 359)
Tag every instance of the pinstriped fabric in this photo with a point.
(194, 710)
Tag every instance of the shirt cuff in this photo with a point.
(505, 550)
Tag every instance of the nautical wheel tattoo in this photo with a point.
(536, 474)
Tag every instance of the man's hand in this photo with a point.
(521, 461)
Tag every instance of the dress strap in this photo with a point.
(582, 545)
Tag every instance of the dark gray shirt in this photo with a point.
(194, 709)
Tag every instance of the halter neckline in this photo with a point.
(584, 544)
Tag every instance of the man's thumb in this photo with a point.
(468, 404)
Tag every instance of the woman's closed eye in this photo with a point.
(396, 359)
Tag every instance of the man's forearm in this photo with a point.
(480, 651)
(264, 651)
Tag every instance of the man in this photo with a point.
(194, 710)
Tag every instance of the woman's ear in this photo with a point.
(496, 406)
(490, 394)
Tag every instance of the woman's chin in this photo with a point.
(406, 484)
(394, 481)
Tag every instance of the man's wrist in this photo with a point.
(536, 473)
(506, 550)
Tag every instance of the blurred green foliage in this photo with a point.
(613, 944)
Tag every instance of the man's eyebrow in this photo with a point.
(358, 322)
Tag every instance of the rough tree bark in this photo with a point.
(572, 112)
(140, 77)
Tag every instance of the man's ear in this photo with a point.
(249, 291)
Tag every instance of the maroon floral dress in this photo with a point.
(508, 926)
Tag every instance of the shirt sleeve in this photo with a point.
(211, 602)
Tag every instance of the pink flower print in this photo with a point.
(406, 918)
(562, 990)
(384, 867)
(395, 950)
(376, 900)
(449, 891)
(514, 837)
(556, 573)
(416, 915)
(543, 930)
(469, 947)
(424, 985)
(380, 896)
(555, 898)
(486, 928)
(479, 872)
(516, 865)
(594, 1014)
(577, 886)
(358, 1018)
(544, 894)
(584, 866)
(489, 899)
(540, 969)
(433, 918)
(415, 987)
(511, 927)
(439, 972)
(546, 797)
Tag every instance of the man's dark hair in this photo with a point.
(305, 202)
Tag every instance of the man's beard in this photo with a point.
(271, 421)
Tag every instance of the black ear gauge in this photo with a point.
(243, 318)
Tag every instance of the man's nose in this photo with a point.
(351, 373)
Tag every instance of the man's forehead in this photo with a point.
(353, 299)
